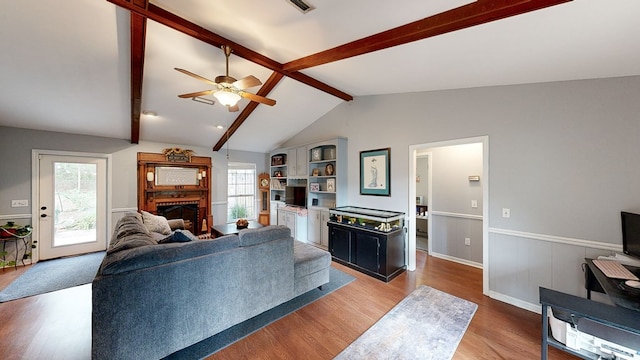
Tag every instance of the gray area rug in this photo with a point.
(206, 347)
(427, 324)
(51, 275)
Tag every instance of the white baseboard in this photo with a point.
(536, 308)
(457, 260)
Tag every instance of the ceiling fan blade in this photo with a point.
(257, 98)
(247, 82)
(234, 108)
(186, 72)
(194, 94)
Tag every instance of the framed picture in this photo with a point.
(331, 185)
(375, 172)
(314, 187)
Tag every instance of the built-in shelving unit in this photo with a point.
(327, 173)
(322, 168)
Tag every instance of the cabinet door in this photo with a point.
(314, 226)
(292, 162)
(367, 252)
(282, 217)
(324, 230)
(301, 161)
(290, 222)
(340, 243)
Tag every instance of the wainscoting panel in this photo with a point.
(449, 233)
(521, 264)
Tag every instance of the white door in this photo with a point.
(72, 203)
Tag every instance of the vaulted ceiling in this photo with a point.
(94, 66)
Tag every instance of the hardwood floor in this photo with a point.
(58, 325)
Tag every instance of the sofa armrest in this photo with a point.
(175, 224)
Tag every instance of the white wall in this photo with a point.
(562, 156)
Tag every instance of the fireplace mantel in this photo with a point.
(162, 181)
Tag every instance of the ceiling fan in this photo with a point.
(228, 90)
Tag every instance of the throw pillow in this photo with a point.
(155, 223)
(179, 236)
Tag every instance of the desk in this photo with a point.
(595, 280)
(612, 316)
(226, 229)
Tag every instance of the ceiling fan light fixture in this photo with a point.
(227, 97)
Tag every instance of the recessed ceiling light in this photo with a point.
(149, 113)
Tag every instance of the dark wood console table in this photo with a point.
(226, 229)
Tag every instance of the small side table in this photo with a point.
(15, 239)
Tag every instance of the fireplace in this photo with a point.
(187, 211)
(187, 200)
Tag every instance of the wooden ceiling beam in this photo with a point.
(138, 37)
(266, 88)
(476, 13)
(186, 27)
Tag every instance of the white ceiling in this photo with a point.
(65, 65)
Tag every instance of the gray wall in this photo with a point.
(17, 144)
(422, 187)
(563, 157)
(452, 217)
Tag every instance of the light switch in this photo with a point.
(506, 213)
(19, 203)
(474, 204)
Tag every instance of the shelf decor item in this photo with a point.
(331, 185)
(329, 170)
(316, 154)
(375, 172)
(278, 160)
(314, 187)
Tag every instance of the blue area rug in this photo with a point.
(427, 324)
(221, 340)
(51, 275)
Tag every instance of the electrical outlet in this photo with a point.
(19, 203)
(467, 241)
(506, 213)
(474, 204)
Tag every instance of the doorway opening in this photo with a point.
(441, 224)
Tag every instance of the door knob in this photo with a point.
(43, 215)
(43, 208)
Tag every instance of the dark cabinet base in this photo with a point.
(378, 254)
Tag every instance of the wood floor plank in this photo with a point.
(58, 325)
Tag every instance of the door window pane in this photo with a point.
(75, 203)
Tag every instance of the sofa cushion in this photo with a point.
(309, 259)
(129, 233)
(148, 256)
(250, 237)
(156, 223)
(178, 236)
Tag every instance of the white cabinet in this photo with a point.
(297, 161)
(317, 230)
(273, 214)
(294, 221)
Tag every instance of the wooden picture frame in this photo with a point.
(375, 172)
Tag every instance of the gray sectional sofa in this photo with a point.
(151, 299)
